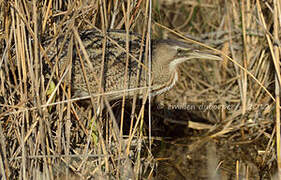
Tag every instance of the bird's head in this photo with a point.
(166, 56)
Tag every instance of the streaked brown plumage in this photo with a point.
(165, 58)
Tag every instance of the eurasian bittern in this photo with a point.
(107, 57)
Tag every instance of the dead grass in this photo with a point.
(43, 131)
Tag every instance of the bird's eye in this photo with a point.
(181, 52)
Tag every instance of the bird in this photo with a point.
(108, 57)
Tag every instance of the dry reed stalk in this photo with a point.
(49, 125)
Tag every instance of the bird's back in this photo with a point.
(107, 60)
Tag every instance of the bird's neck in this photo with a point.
(159, 89)
(175, 62)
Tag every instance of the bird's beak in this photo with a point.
(189, 54)
(203, 55)
(195, 54)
